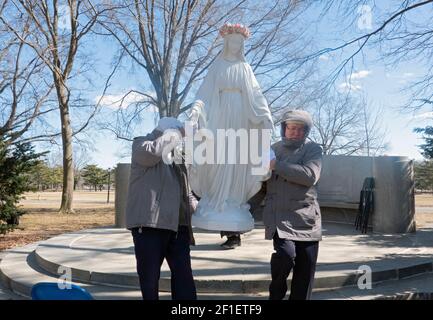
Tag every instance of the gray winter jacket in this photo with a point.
(291, 206)
(155, 194)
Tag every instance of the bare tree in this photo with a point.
(374, 130)
(346, 125)
(57, 46)
(24, 95)
(172, 43)
(403, 32)
(82, 159)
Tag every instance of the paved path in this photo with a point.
(105, 258)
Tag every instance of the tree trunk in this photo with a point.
(68, 165)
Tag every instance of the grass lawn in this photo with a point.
(42, 220)
(424, 200)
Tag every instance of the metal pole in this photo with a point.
(108, 192)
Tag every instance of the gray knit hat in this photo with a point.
(298, 116)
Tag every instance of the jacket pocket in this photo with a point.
(302, 214)
(156, 199)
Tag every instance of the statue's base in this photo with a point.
(230, 219)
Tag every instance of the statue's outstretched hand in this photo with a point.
(196, 112)
(194, 118)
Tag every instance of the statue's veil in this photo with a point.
(241, 54)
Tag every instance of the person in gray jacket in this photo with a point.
(291, 214)
(158, 212)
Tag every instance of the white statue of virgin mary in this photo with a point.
(229, 98)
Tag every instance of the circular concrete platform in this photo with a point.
(106, 256)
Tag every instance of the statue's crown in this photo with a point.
(229, 28)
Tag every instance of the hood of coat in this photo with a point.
(298, 116)
(151, 135)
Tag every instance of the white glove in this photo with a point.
(194, 115)
(179, 151)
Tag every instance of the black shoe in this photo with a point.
(232, 242)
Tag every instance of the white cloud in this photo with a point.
(120, 101)
(359, 75)
(352, 82)
(405, 77)
(421, 119)
(401, 78)
(408, 74)
(347, 86)
(425, 115)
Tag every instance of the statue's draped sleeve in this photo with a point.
(256, 100)
(206, 95)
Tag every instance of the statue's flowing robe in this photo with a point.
(232, 99)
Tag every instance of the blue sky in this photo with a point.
(379, 84)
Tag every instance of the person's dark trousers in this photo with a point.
(151, 247)
(301, 256)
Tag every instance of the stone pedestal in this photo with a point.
(339, 187)
(122, 183)
(341, 183)
(229, 219)
(395, 195)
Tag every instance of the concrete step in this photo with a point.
(105, 256)
(103, 260)
(6, 294)
(19, 272)
(418, 287)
